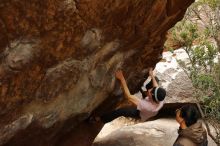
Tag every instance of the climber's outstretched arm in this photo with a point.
(119, 75)
(151, 74)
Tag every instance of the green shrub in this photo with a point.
(201, 69)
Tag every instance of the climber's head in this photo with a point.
(157, 94)
(188, 114)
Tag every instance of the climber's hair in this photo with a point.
(190, 114)
(158, 94)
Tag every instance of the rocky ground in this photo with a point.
(123, 132)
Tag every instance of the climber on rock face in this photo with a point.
(145, 108)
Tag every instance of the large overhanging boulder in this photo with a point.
(58, 59)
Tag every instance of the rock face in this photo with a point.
(161, 132)
(172, 77)
(58, 58)
(155, 133)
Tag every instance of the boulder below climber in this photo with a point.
(161, 132)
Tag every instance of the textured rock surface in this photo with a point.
(161, 132)
(58, 58)
(181, 89)
(172, 77)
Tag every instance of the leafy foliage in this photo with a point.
(203, 69)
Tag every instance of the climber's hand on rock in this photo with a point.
(151, 72)
(119, 75)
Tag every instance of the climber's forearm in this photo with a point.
(155, 84)
(125, 88)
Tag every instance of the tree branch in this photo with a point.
(206, 124)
